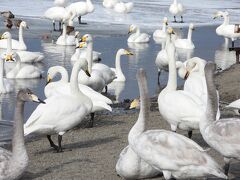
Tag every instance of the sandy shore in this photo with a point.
(93, 153)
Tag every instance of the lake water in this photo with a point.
(109, 36)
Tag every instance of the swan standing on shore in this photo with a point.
(61, 112)
(25, 56)
(222, 135)
(137, 36)
(129, 164)
(179, 108)
(168, 152)
(80, 9)
(20, 44)
(62, 86)
(161, 33)
(176, 9)
(186, 43)
(225, 29)
(65, 39)
(13, 164)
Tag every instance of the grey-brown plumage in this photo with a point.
(70, 29)
(8, 23)
(13, 164)
(17, 22)
(7, 14)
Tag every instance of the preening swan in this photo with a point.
(225, 29)
(61, 112)
(122, 7)
(62, 86)
(179, 108)
(176, 9)
(25, 56)
(168, 152)
(222, 135)
(81, 8)
(129, 164)
(186, 43)
(161, 33)
(13, 164)
(65, 39)
(20, 44)
(137, 36)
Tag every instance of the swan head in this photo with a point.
(82, 45)
(132, 28)
(170, 31)
(218, 14)
(6, 35)
(86, 38)
(84, 66)
(125, 52)
(24, 25)
(195, 65)
(182, 71)
(9, 57)
(191, 26)
(135, 104)
(165, 21)
(26, 95)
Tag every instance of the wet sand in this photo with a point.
(93, 153)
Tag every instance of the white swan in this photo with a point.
(122, 7)
(110, 3)
(65, 39)
(137, 36)
(25, 56)
(186, 43)
(107, 73)
(20, 44)
(179, 108)
(61, 112)
(196, 81)
(173, 154)
(59, 14)
(5, 85)
(161, 33)
(225, 29)
(13, 164)
(222, 135)
(176, 9)
(21, 71)
(129, 164)
(60, 3)
(81, 8)
(96, 81)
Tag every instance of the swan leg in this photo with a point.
(80, 20)
(60, 26)
(54, 29)
(227, 165)
(232, 43)
(159, 73)
(60, 144)
(52, 143)
(181, 19)
(90, 124)
(190, 134)
(106, 89)
(175, 19)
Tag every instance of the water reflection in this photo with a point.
(224, 58)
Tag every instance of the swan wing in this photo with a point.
(234, 104)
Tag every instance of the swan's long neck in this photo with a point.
(164, 27)
(90, 56)
(9, 44)
(74, 78)
(90, 6)
(226, 20)
(139, 126)
(212, 100)
(1, 74)
(190, 34)
(138, 31)
(118, 64)
(20, 36)
(18, 146)
(63, 72)
(172, 75)
(64, 33)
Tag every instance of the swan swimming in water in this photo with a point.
(162, 33)
(13, 164)
(136, 36)
(65, 39)
(173, 154)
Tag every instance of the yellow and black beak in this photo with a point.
(134, 104)
(9, 58)
(87, 73)
(36, 99)
(186, 75)
(77, 35)
(129, 53)
(166, 23)
(49, 79)
(83, 39)
(130, 31)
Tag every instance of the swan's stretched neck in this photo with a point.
(118, 64)
(19, 152)
(90, 56)
(172, 75)
(139, 126)
(62, 71)
(20, 36)
(64, 33)
(212, 101)
(226, 19)
(9, 43)
(164, 27)
(74, 78)
(90, 6)
(138, 30)
(190, 34)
